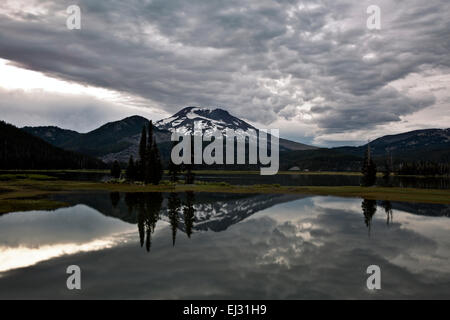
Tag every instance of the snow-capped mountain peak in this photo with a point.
(217, 118)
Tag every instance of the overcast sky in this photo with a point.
(310, 68)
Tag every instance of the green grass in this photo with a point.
(29, 191)
(22, 194)
(233, 172)
(14, 177)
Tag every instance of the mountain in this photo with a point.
(21, 150)
(217, 119)
(53, 135)
(120, 139)
(212, 211)
(427, 144)
(320, 160)
(209, 118)
(113, 141)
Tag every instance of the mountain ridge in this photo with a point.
(118, 140)
(218, 119)
(22, 150)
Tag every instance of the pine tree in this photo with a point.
(142, 155)
(116, 170)
(157, 168)
(189, 175)
(174, 169)
(131, 170)
(150, 134)
(388, 165)
(369, 169)
(150, 157)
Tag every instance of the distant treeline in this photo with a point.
(425, 168)
(21, 150)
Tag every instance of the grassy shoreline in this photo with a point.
(29, 194)
(229, 172)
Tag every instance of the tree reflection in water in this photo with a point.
(115, 198)
(387, 206)
(369, 208)
(189, 212)
(147, 207)
(174, 206)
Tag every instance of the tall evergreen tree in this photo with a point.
(388, 166)
(369, 169)
(174, 169)
(116, 170)
(157, 168)
(150, 135)
(131, 170)
(142, 155)
(189, 176)
(143, 144)
(150, 159)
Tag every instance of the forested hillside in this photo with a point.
(21, 150)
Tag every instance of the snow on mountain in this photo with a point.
(220, 215)
(215, 119)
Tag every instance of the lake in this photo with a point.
(225, 246)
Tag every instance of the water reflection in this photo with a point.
(115, 198)
(147, 208)
(174, 206)
(369, 208)
(387, 206)
(189, 212)
(243, 246)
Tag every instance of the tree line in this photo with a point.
(21, 150)
(147, 207)
(148, 168)
(424, 168)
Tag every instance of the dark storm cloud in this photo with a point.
(71, 111)
(236, 53)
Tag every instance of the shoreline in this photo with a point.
(230, 172)
(28, 194)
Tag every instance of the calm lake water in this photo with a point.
(225, 246)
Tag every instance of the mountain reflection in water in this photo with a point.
(221, 246)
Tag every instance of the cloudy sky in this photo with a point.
(311, 68)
